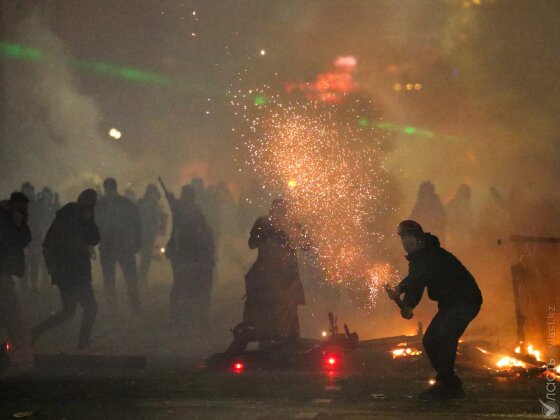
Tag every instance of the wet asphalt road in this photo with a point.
(193, 393)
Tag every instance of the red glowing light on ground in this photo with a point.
(331, 361)
(8, 347)
(238, 367)
(331, 86)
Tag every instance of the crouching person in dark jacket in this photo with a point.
(67, 257)
(14, 237)
(458, 296)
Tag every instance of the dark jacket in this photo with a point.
(13, 240)
(119, 224)
(448, 281)
(276, 265)
(192, 239)
(66, 246)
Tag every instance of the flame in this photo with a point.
(507, 362)
(404, 351)
(535, 353)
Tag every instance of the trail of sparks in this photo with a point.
(331, 171)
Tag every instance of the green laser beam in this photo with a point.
(20, 52)
(407, 129)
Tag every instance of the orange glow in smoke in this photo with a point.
(330, 86)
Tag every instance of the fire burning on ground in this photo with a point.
(523, 361)
(403, 351)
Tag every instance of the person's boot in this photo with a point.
(432, 393)
(444, 389)
(453, 388)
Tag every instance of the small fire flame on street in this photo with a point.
(403, 350)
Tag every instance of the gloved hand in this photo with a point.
(406, 312)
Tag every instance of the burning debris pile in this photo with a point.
(524, 361)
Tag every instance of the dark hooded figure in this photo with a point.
(15, 235)
(67, 257)
(191, 251)
(429, 210)
(458, 297)
(273, 286)
(121, 238)
(459, 217)
(153, 221)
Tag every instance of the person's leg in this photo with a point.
(127, 261)
(86, 298)
(441, 347)
(453, 325)
(108, 266)
(34, 262)
(431, 340)
(69, 299)
(178, 298)
(145, 259)
(10, 307)
(207, 275)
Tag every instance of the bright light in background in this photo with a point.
(324, 333)
(292, 183)
(116, 134)
(263, 52)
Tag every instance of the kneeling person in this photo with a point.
(67, 257)
(458, 296)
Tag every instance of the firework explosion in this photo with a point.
(330, 168)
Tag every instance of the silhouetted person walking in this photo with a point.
(121, 235)
(67, 256)
(191, 251)
(153, 221)
(15, 235)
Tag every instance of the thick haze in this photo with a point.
(490, 95)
